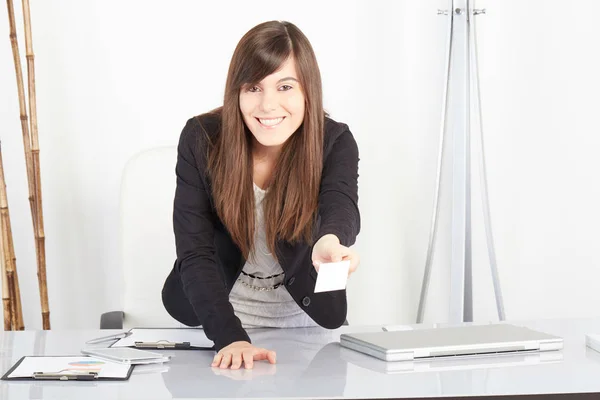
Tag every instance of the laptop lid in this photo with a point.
(450, 341)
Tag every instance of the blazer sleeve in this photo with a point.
(193, 225)
(338, 196)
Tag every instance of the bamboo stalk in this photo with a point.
(19, 306)
(7, 304)
(11, 292)
(5, 291)
(26, 146)
(11, 267)
(22, 106)
(40, 238)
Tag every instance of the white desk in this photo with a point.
(311, 364)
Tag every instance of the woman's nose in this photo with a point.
(268, 101)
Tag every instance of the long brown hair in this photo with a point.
(290, 205)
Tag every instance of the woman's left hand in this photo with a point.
(328, 249)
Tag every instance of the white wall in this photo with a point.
(116, 77)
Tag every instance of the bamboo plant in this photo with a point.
(11, 297)
(31, 147)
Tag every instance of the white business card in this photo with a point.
(332, 276)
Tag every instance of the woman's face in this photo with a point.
(273, 109)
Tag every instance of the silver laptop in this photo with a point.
(468, 340)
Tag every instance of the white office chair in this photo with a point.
(147, 244)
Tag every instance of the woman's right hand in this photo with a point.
(237, 352)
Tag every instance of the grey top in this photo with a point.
(258, 297)
(311, 364)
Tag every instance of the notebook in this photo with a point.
(465, 340)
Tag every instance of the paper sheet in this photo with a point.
(196, 337)
(69, 365)
(332, 276)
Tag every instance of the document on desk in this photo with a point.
(67, 368)
(332, 276)
(166, 338)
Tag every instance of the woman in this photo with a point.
(266, 192)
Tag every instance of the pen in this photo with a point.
(161, 344)
(85, 376)
(111, 337)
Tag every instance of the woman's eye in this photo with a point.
(285, 87)
(253, 89)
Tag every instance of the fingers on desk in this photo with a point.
(248, 359)
(269, 355)
(226, 360)
(234, 359)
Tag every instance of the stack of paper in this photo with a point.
(126, 355)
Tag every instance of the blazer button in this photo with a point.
(291, 281)
(306, 301)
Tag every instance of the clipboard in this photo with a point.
(67, 368)
(165, 339)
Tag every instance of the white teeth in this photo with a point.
(270, 122)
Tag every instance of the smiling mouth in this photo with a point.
(270, 122)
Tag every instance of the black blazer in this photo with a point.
(209, 262)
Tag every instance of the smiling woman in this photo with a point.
(267, 190)
(273, 109)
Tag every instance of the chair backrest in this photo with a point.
(147, 244)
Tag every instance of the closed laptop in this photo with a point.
(455, 341)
